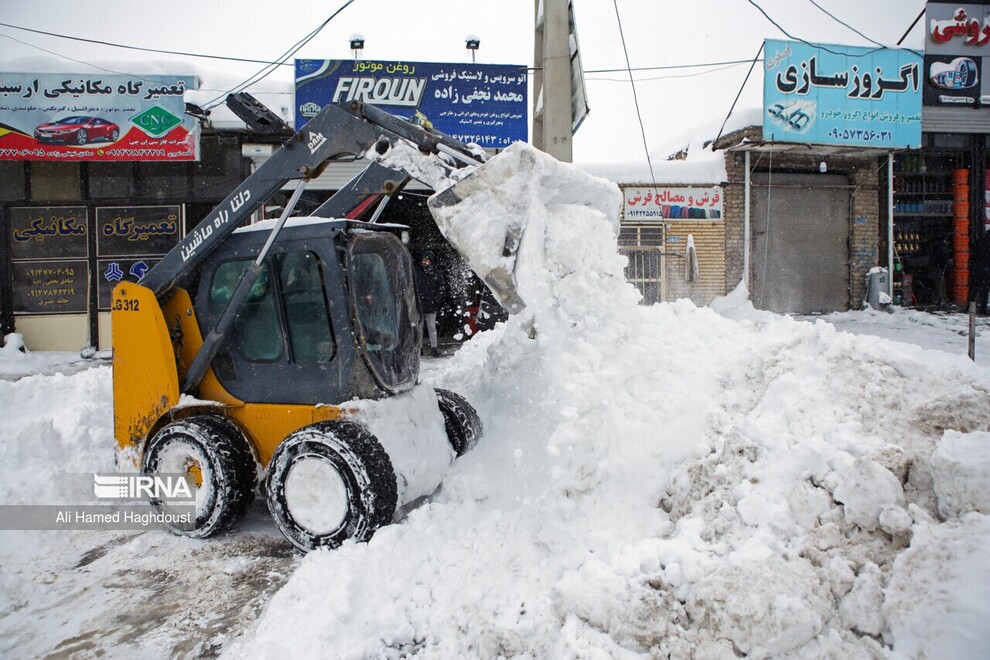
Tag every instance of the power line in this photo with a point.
(841, 22)
(129, 47)
(739, 93)
(114, 71)
(668, 66)
(673, 76)
(268, 69)
(632, 84)
(71, 59)
(911, 27)
(808, 43)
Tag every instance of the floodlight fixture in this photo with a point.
(472, 43)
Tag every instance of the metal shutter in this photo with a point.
(801, 262)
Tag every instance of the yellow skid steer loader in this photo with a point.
(246, 350)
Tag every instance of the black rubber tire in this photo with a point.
(460, 420)
(230, 465)
(364, 470)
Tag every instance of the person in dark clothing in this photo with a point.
(428, 290)
(980, 263)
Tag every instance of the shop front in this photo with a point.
(71, 231)
(939, 212)
(940, 209)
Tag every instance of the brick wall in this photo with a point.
(709, 242)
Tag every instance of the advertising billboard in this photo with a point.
(72, 117)
(481, 103)
(847, 95)
(957, 46)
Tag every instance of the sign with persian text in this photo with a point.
(957, 52)
(827, 94)
(137, 230)
(481, 103)
(50, 287)
(672, 203)
(89, 117)
(42, 232)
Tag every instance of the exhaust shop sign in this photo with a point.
(73, 117)
(480, 103)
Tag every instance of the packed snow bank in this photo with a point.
(17, 361)
(665, 481)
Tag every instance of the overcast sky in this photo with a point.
(658, 33)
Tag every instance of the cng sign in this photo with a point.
(156, 121)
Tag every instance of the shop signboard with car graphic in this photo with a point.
(846, 95)
(82, 117)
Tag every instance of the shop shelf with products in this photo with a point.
(923, 226)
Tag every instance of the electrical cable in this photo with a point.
(668, 66)
(671, 77)
(739, 93)
(265, 71)
(632, 83)
(129, 47)
(911, 27)
(818, 46)
(114, 71)
(841, 22)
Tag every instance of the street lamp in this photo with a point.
(357, 45)
(472, 43)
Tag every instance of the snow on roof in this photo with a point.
(702, 165)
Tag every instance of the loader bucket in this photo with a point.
(485, 215)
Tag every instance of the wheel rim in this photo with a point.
(81, 137)
(316, 495)
(185, 458)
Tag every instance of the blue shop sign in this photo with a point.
(481, 103)
(848, 95)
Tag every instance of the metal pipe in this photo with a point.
(378, 211)
(296, 194)
(746, 220)
(890, 224)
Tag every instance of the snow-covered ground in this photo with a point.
(666, 481)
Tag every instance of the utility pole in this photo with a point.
(552, 120)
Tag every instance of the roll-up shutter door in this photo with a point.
(800, 243)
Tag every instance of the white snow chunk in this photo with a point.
(765, 607)
(960, 466)
(410, 428)
(936, 602)
(865, 489)
(861, 609)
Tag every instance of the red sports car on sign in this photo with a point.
(77, 130)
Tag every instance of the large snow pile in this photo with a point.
(666, 480)
(654, 481)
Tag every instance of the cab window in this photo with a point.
(257, 333)
(307, 314)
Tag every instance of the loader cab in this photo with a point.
(332, 317)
